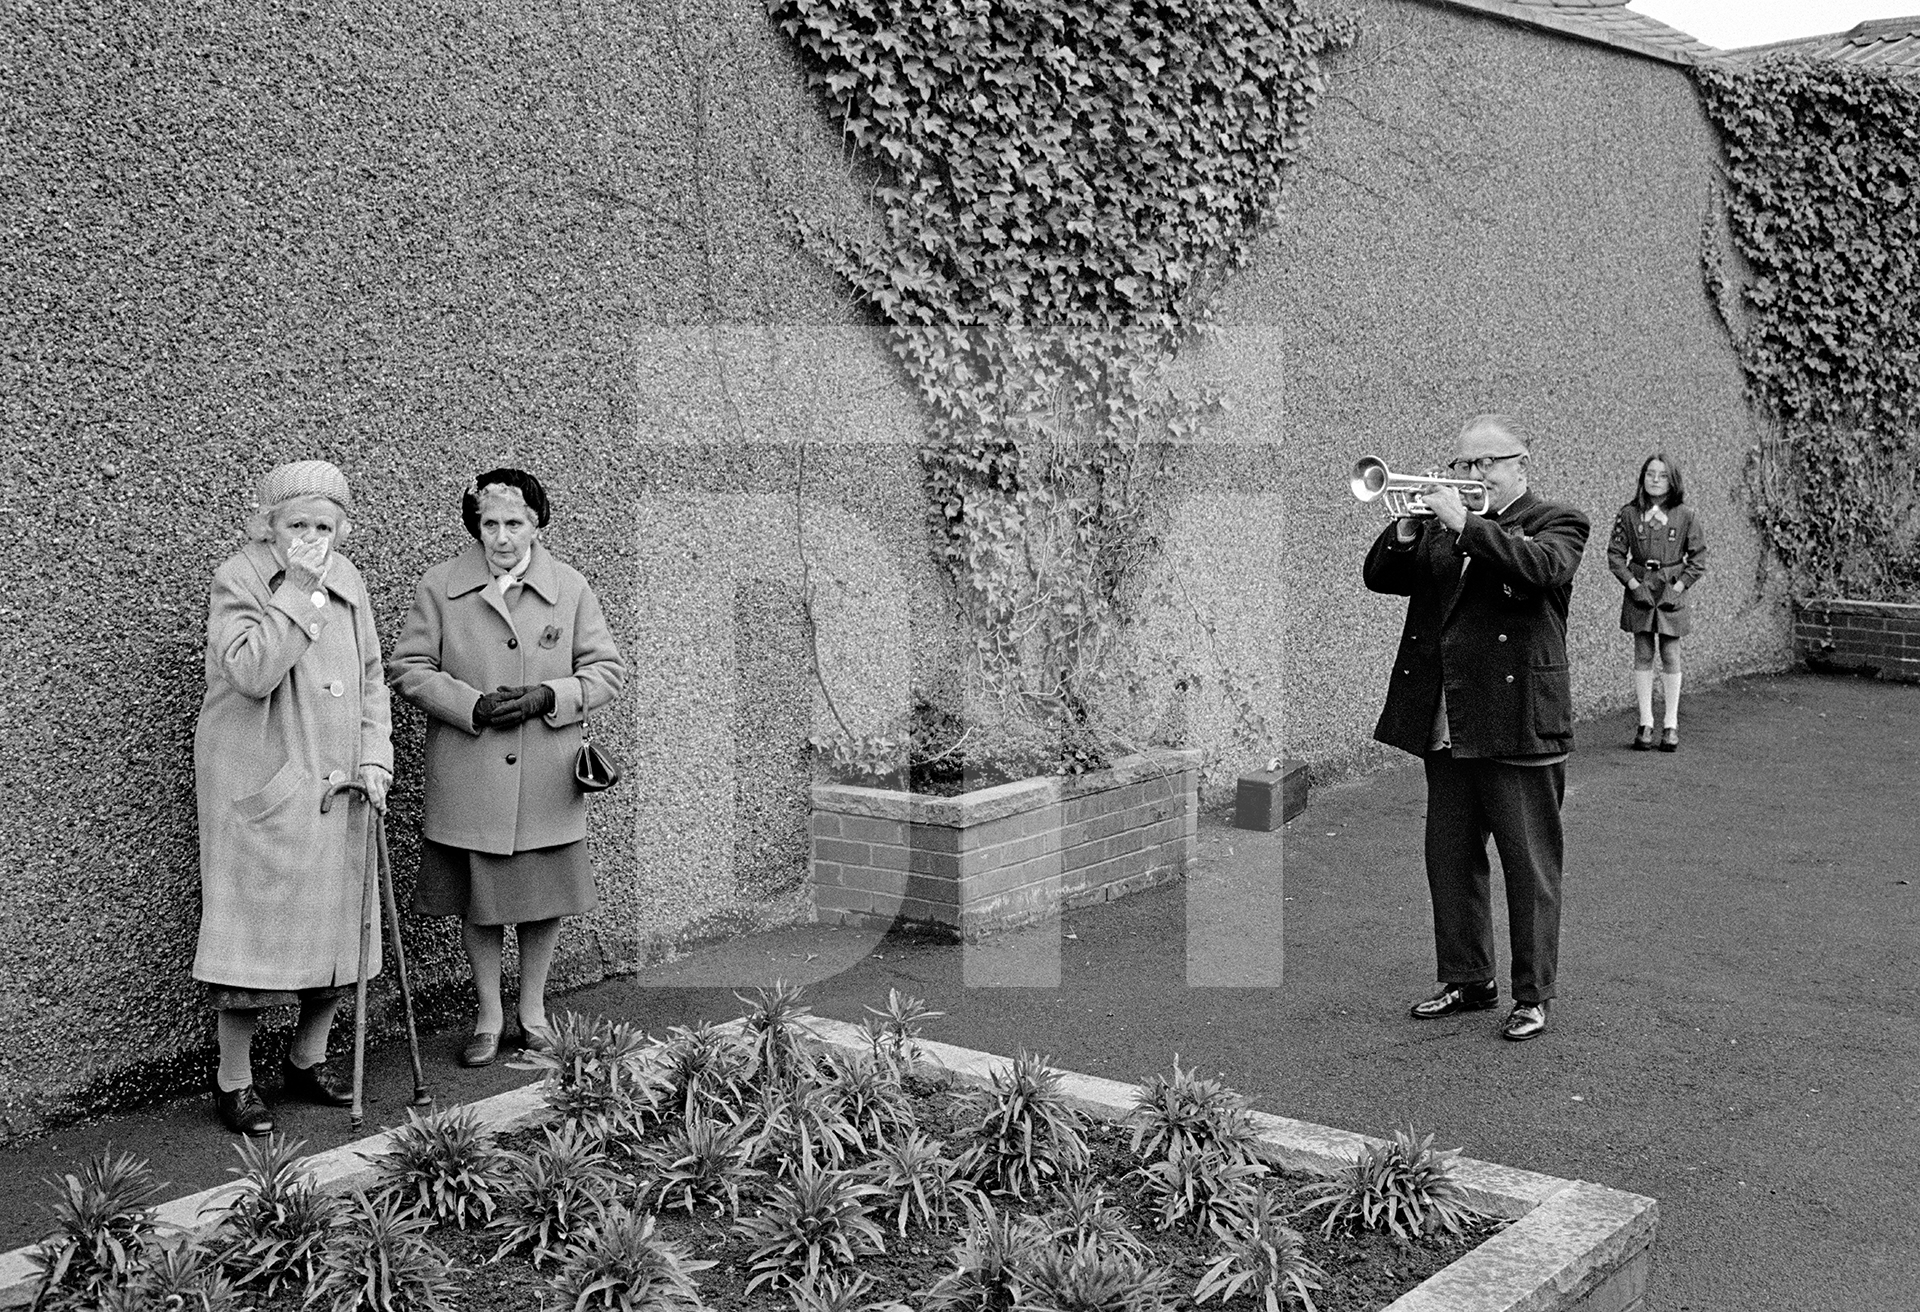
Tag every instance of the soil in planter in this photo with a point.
(1363, 1271)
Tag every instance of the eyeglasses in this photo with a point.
(1481, 464)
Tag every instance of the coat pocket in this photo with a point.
(276, 793)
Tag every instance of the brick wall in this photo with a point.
(1002, 856)
(1879, 638)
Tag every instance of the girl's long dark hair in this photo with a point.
(1676, 490)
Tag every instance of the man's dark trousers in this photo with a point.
(1520, 806)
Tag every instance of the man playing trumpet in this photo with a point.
(1480, 692)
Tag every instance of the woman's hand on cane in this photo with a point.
(376, 779)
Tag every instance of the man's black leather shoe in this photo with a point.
(242, 1111)
(317, 1084)
(1453, 999)
(1527, 1020)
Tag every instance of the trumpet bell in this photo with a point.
(1370, 478)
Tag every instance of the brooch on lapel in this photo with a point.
(549, 636)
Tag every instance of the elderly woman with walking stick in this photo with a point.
(295, 704)
(506, 650)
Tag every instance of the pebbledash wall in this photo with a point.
(431, 238)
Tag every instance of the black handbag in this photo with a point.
(593, 769)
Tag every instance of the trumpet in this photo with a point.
(1405, 495)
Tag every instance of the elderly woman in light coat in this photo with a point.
(295, 703)
(506, 650)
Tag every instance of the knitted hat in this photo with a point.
(303, 478)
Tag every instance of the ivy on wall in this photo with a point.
(1823, 203)
(1064, 186)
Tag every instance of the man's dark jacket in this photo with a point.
(1497, 636)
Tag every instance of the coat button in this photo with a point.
(1509, 678)
(337, 688)
(313, 630)
(512, 759)
(513, 642)
(1406, 671)
(1503, 637)
(337, 777)
(319, 599)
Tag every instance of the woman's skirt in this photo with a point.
(485, 889)
(226, 997)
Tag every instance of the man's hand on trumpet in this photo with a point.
(1447, 507)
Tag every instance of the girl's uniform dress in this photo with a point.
(1658, 546)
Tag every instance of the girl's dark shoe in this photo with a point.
(318, 1083)
(1643, 738)
(1455, 998)
(242, 1111)
(1669, 740)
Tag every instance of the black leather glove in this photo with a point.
(494, 710)
(527, 702)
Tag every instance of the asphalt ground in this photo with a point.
(1737, 1032)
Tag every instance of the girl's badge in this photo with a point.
(549, 636)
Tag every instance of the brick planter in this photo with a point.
(1007, 855)
(1877, 638)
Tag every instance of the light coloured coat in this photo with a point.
(504, 790)
(295, 701)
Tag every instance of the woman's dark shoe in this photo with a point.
(481, 1049)
(1669, 739)
(318, 1083)
(1643, 738)
(1527, 1020)
(535, 1038)
(1455, 998)
(242, 1111)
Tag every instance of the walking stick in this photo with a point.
(378, 862)
(366, 946)
(421, 1098)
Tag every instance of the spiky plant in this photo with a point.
(1089, 1276)
(893, 1031)
(798, 1124)
(552, 1193)
(706, 1068)
(618, 1264)
(444, 1166)
(1084, 1212)
(595, 1067)
(103, 1228)
(817, 1220)
(274, 1232)
(1263, 1255)
(989, 1263)
(1402, 1187)
(919, 1181)
(1204, 1190)
(830, 1292)
(870, 1097)
(776, 1035)
(1027, 1136)
(702, 1162)
(382, 1261)
(1187, 1113)
(183, 1278)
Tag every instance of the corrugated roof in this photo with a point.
(1608, 22)
(1885, 42)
